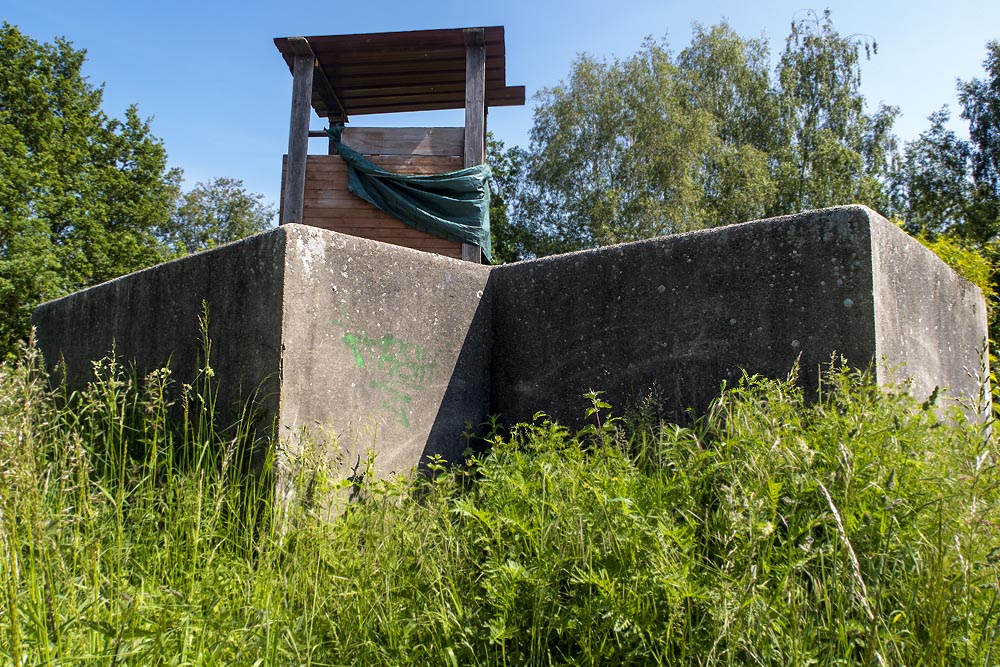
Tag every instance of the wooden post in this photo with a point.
(298, 137)
(475, 114)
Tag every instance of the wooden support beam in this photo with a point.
(335, 110)
(300, 47)
(298, 139)
(475, 97)
(475, 113)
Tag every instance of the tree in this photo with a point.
(83, 197)
(980, 101)
(617, 153)
(656, 144)
(949, 185)
(511, 240)
(216, 212)
(727, 76)
(831, 152)
(947, 189)
(933, 186)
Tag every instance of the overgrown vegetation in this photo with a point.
(858, 529)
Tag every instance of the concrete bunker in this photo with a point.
(403, 349)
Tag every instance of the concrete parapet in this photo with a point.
(388, 347)
(345, 343)
(150, 319)
(687, 312)
(383, 346)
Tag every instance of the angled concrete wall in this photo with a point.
(349, 343)
(687, 312)
(386, 346)
(151, 320)
(346, 343)
(930, 324)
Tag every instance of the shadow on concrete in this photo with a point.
(469, 385)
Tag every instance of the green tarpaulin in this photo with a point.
(454, 206)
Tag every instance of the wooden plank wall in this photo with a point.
(329, 205)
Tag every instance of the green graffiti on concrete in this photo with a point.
(352, 342)
(398, 369)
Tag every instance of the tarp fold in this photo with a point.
(454, 205)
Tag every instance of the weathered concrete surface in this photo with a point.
(346, 343)
(388, 346)
(689, 311)
(930, 324)
(151, 318)
(350, 344)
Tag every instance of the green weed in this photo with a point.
(859, 528)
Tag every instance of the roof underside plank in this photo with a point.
(402, 71)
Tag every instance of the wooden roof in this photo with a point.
(388, 72)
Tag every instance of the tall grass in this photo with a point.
(857, 529)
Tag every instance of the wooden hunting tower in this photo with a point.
(351, 75)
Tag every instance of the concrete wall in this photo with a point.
(688, 312)
(930, 323)
(151, 318)
(348, 342)
(386, 346)
(685, 312)
(353, 343)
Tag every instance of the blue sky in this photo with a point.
(218, 91)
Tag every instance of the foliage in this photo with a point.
(216, 212)
(946, 184)
(656, 144)
(506, 167)
(726, 77)
(831, 151)
(856, 529)
(85, 198)
(616, 153)
(82, 196)
(948, 188)
(932, 185)
(980, 100)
